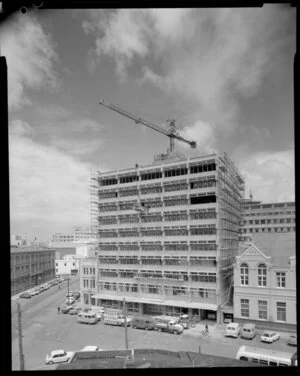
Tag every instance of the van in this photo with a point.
(233, 330)
(248, 331)
(143, 322)
(87, 318)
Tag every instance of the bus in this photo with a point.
(266, 357)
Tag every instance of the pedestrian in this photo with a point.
(58, 310)
(59, 287)
(206, 328)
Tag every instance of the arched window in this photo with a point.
(262, 275)
(244, 275)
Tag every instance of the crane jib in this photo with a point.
(172, 133)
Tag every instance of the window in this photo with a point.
(281, 311)
(262, 309)
(244, 275)
(245, 307)
(262, 275)
(280, 279)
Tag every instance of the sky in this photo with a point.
(225, 75)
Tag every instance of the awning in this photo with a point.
(175, 303)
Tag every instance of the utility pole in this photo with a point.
(68, 287)
(21, 354)
(125, 323)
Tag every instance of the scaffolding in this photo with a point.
(94, 207)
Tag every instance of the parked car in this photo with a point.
(65, 309)
(248, 331)
(25, 295)
(74, 311)
(292, 340)
(76, 295)
(31, 292)
(233, 329)
(42, 288)
(35, 291)
(70, 300)
(269, 336)
(99, 311)
(143, 322)
(90, 348)
(59, 356)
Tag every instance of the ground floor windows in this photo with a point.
(262, 310)
(245, 307)
(281, 311)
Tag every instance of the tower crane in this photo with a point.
(173, 132)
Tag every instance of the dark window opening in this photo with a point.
(203, 199)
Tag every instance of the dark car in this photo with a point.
(65, 309)
(76, 295)
(25, 295)
(292, 340)
(74, 311)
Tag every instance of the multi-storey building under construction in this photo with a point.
(168, 237)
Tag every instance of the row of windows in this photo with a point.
(261, 276)
(209, 198)
(182, 216)
(157, 175)
(159, 247)
(251, 214)
(159, 232)
(269, 221)
(154, 289)
(89, 283)
(204, 261)
(88, 270)
(263, 310)
(273, 229)
(181, 276)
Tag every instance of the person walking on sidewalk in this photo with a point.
(58, 310)
(206, 328)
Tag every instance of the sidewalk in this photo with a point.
(216, 331)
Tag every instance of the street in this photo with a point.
(45, 330)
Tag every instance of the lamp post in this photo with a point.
(125, 323)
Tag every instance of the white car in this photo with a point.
(91, 348)
(269, 336)
(31, 292)
(70, 300)
(59, 356)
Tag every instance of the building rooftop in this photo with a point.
(148, 358)
(29, 248)
(278, 245)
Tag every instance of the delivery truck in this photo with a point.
(115, 317)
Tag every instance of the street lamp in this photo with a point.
(125, 323)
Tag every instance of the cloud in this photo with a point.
(30, 58)
(270, 175)
(47, 186)
(209, 57)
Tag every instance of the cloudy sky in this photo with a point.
(224, 75)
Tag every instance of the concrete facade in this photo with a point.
(168, 236)
(260, 217)
(265, 281)
(66, 265)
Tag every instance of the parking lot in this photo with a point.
(46, 330)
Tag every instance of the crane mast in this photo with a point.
(172, 132)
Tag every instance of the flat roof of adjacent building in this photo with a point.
(148, 358)
(30, 248)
